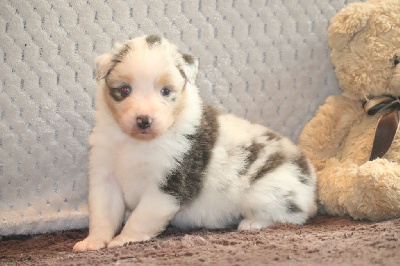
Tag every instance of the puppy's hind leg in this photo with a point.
(258, 209)
(277, 197)
(151, 216)
(255, 210)
(252, 223)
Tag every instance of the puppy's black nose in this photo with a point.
(143, 121)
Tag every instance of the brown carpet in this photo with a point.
(323, 241)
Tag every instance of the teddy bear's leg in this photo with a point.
(379, 185)
(370, 191)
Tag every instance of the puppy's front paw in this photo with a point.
(89, 244)
(121, 239)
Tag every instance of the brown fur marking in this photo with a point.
(273, 162)
(189, 59)
(115, 81)
(153, 40)
(302, 163)
(186, 180)
(291, 206)
(272, 135)
(118, 57)
(253, 151)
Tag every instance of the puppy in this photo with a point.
(158, 152)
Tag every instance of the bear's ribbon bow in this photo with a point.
(387, 124)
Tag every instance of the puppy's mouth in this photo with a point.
(143, 134)
(143, 128)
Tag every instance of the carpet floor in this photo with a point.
(322, 241)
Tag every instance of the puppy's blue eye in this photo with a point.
(165, 91)
(125, 91)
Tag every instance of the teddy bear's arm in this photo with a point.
(323, 137)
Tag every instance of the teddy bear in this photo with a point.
(353, 139)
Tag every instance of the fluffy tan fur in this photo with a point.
(365, 42)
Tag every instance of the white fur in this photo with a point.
(127, 172)
(226, 196)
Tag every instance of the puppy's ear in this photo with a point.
(188, 66)
(103, 64)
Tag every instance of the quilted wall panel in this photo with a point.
(265, 60)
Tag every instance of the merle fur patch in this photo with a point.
(291, 206)
(273, 162)
(115, 93)
(118, 57)
(189, 59)
(182, 73)
(186, 180)
(252, 154)
(153, 40)
(302, 163)
(271, 135)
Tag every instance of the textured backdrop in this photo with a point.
(265, 60)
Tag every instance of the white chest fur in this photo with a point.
(139, 166)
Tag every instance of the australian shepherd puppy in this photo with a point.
(159, 152)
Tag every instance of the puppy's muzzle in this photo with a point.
(143, 122)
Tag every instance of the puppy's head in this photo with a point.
(144, 82)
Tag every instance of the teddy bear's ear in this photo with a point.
(348, 22)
